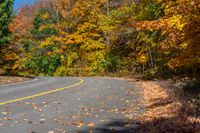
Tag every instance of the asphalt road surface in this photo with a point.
(68, 105)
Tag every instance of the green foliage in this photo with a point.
(96, 37)
(113, 63)
(6, 14)
(147, 10)
(44, 64)
(43, 24)
(27, 44)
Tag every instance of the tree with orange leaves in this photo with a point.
(180, 25)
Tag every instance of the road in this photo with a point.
(66, 104)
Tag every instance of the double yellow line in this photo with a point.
(42, 94)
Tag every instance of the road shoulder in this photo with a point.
(6, 80)
(166, 111)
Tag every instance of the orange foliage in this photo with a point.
(181, 26)
(23, 22)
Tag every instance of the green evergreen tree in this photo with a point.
(6, 12)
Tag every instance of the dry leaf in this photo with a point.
(51, 132)
(91, 124)
(5, 113)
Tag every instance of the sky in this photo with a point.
(20, 3)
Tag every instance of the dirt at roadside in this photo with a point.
(12, 79)
(166, 112)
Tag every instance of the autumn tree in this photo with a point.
(90, 37)
(180, 26)
(20, 27)
(6, 13)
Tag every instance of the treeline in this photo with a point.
(157, 38)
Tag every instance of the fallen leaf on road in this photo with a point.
(42, 119)
(88, 114)
(36, 107)
(51, 132)
(1, 125)
(4, 113)
(6, 118)
(76, 123)
(77, 116)
(91, 124)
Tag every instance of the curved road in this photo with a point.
(66, 104)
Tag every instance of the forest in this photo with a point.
(152, 38)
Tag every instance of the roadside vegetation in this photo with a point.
(150, 39)
(155, 38)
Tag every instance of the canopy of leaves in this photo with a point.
(94, 37)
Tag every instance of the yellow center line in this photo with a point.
(41, 94)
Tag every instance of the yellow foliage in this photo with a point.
(45, 16)
(176, 21)
(143, 59)
(10, 57)
(41, 28)
(46, 42)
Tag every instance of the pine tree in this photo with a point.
(6, 12)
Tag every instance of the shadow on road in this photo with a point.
(180, 123)
(161, 125)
